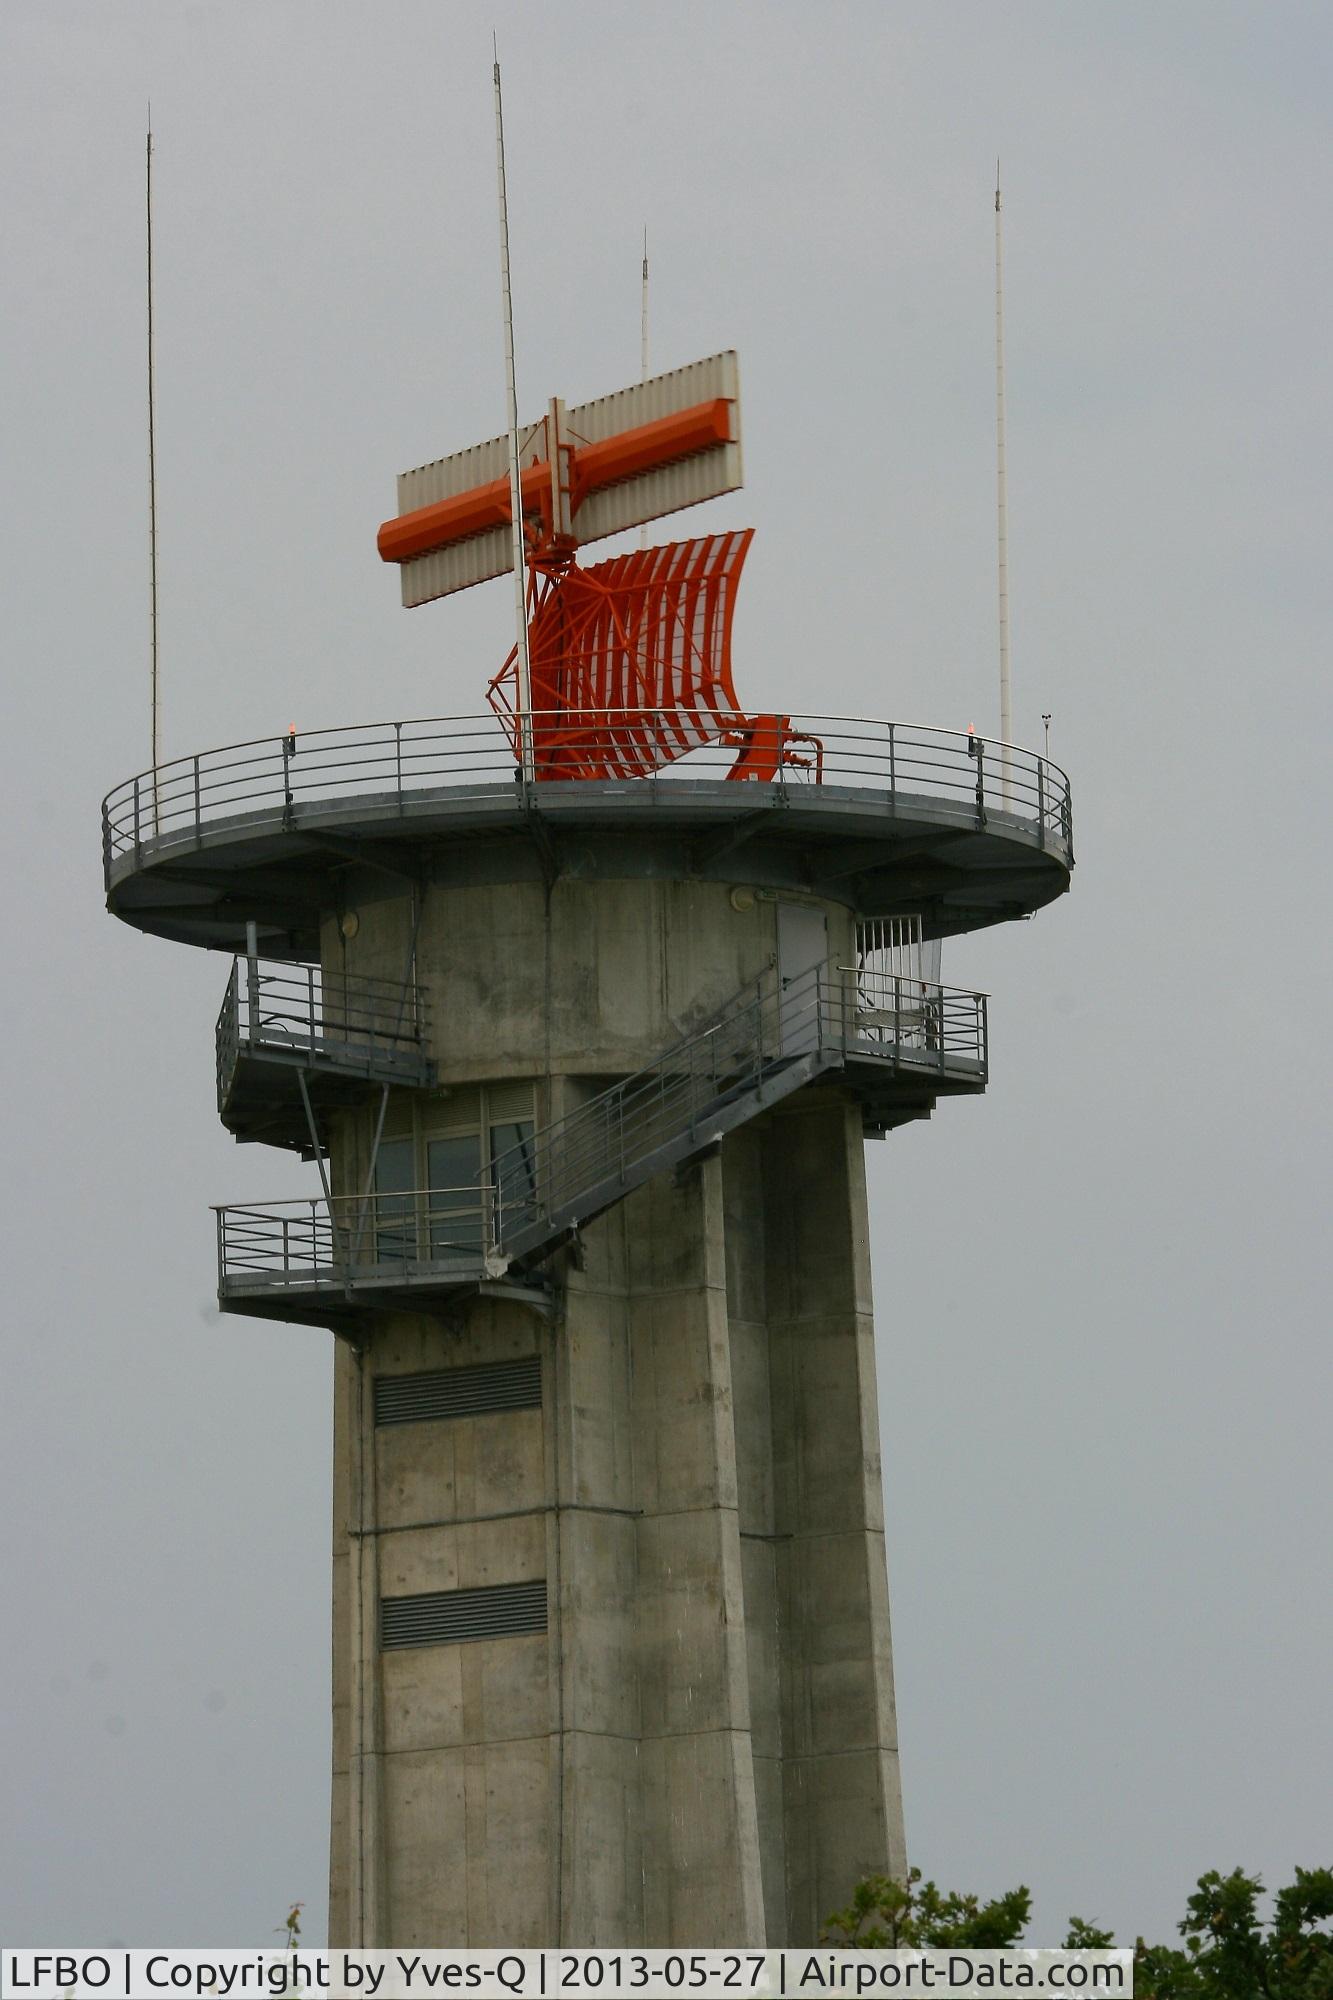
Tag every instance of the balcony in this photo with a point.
(896, 1044)
(967, 831)
(287, 1033)
(312, 1260)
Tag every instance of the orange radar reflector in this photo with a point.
(647, 448)
(586, 470)
(631, 667)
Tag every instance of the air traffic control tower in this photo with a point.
(581, 1011)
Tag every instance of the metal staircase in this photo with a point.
(897, 1043)
(772, 1038)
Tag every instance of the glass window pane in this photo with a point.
(395, 1224)
(393, 1166)
(454, 1161)
(513, 1171)
(454, 1202)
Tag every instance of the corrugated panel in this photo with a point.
(453, 1617)
(442, 1393)
(509, 1102)
(653, 494)
(458, 1109)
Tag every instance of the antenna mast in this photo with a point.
(154, 725)
(515, 477)
(643, 348)
(1001, 498)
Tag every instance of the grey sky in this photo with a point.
(1102, 1291)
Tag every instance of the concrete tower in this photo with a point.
(584, 1051)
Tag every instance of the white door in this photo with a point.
(802, 946)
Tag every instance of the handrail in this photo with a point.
(308, 1240)
(394, 761)
(774, 1032)
(300, 1010)
(763, 1029)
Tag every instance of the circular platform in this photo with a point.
(886, 817)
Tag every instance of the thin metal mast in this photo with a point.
(154, 707)
(643, 348)
(1001, 497)
(515, 477)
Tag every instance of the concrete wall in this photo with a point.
(700, 1750)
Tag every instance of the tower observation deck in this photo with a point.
(582, 1010)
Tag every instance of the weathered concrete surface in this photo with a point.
(700, 1750)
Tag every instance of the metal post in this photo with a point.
(522, 660)
(1001, 497)
(198, 808)
(155, 711)
(252, 979)
(398, 761)
(1041, 803)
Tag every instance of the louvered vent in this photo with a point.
(451, 1617)
(509, 1100)
(459, 1392)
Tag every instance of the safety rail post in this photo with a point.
(198, 807)
(984, 1030)
(893, 771)
(310, 1003)
(138, 840)
(1041, 802)
(398, 763)
(251, 992)
(288, 752)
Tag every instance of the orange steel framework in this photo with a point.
(630, 660)
(631, 666)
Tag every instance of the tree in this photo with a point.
(884, 1913)
(1228, 1953)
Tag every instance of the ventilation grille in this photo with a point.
(449, 1617)
(509, 1100)
(459, 1392)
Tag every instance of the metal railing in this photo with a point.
(298, 1013)
(318, 1244)
(824, 1018)
(900, 1016)
(389, 764)
(772, 1037)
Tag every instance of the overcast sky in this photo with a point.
(1102, 1291)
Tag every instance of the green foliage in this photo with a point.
(884, 1914)
(291, 1927)
(1228, 1953)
